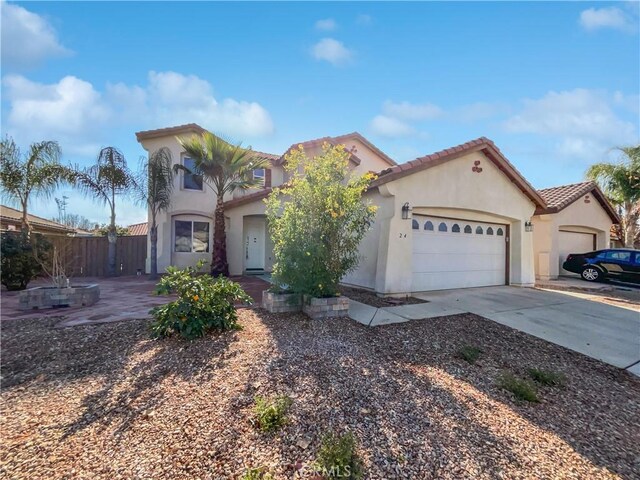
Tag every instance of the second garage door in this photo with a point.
(574, 242)
(451, 253)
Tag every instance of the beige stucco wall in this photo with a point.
(580, 217)
(452, 190)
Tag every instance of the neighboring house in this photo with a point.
(138, 229)
(11, 220)
(453, 219)
(577, 219)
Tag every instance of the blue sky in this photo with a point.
(555, 85)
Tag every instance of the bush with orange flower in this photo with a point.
(204, 303)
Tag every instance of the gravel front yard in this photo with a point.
(106, 401)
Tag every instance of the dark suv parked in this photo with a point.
(616, 263)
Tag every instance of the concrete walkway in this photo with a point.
(605, 332)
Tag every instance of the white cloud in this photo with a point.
(609, 17)
(332, 51)
(27, 38)
(79, 116)
(391, 127)
(327, 24)
(474, 112)
(582, 122)
(364, 19)
(411, 111)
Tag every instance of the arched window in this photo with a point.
(428, 226)
(479, 230)
(415, 225)
(500, 232)
(442, 227)
(455, 228)
(489, 231)
(467, 229)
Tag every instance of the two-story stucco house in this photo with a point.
(453, 219)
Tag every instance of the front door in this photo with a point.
(254, 244)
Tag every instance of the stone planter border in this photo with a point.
(319, 308)
(281, 302)
(51, 297)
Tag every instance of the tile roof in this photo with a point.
(252, 197)
(138, 228)
(483, 144)
(12, 215)
(560, 197)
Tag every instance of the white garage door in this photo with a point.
(573, 242)
(449, 253)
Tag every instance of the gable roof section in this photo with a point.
(559, 198)
(11, 215)
(482, 144)
(337, 141)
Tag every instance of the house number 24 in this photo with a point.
(402, 235)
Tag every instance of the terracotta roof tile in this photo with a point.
(560, 197)
(15, 216)
(138, 228)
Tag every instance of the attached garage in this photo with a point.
(454, 253)
(574, 242)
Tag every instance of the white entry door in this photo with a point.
(573, 242)
(254, 243)
(450, 253)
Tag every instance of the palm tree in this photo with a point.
(36, 174)
(621, 183)
(225, 167)
(108, 178)
(153, 190)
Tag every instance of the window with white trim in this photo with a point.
(415, 225)
(191, 237)
(259, 175)
(428, 226)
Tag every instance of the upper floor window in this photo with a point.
(259, 175)
(191, 236)
(191, 181)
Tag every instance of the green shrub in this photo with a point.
(270, 415)
(204, 303)
(259, 473)
(337, 457)
(548, 377)
(469, 353)
(521, 389)
(317, 221)
(19, 264)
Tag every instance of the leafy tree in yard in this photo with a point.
(225, 167)
(621, 183)
(154, 191)
(317, 221)
(107, 179)
(37, 173)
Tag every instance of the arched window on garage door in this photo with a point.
(442, 227)
(489, 231)
(500, 232)
(455, 228)
(428, 226)
(415, 225)
(479, 230)
(467, 229)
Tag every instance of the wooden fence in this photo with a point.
(88, 256)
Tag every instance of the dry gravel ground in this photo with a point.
(106, 401)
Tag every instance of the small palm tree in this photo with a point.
(36, 174)
(621, 183)
(154, 190)
(225, 167)
(107, 179)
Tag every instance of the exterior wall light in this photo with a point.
(406, 211)
(528, 227)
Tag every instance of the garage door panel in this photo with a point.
(573, 242)
(444, 260)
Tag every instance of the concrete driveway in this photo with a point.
(606, 332)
